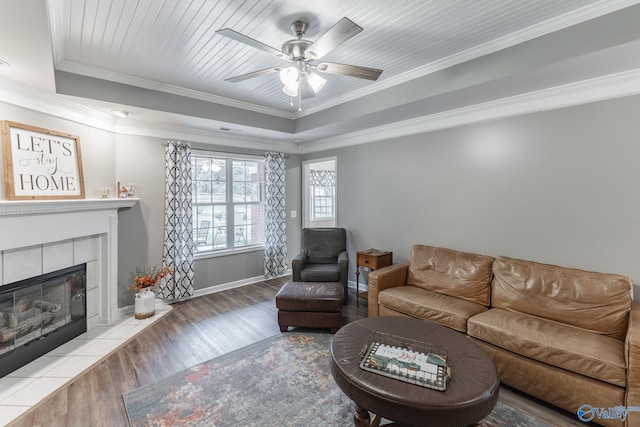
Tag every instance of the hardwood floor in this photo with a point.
(195, 331)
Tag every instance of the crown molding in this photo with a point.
(592, 90)
(587, 91)
(86, 70)
(203, 136)
(583, 14)
(555, 24)
(65, 108)
(54, 105)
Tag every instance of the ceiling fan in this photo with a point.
(299, 79)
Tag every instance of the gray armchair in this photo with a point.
(323, 257)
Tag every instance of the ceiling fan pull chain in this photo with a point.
(299, 89)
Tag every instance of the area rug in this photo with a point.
(281, 381)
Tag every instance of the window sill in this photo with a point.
(228, 252)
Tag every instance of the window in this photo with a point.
(228, 206)
(322, 202)
(322, 184)
(319, 192)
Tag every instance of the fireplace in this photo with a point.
(39, 314)
(46, 236)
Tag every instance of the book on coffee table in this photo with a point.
(406, 360)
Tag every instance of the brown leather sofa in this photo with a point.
(566, 336)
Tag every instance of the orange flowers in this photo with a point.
(148, 277)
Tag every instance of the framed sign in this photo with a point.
(41, 163)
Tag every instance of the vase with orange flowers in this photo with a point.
(144, 280)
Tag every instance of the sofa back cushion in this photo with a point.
(595, 302)
(446, 271)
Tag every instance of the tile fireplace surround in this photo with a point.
(38, 237)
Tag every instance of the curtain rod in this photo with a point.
(286, 156)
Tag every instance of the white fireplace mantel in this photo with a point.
(35, 234)
(31, 207)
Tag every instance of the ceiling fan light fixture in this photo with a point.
(289, 77)
(316, 82)
(121, 113)
(297, 79)
(291, 91)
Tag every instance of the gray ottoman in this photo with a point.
(310, 304)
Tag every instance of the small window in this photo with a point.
(228, 205)
(322, 185)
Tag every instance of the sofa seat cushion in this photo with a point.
(320, 273)
(554, 343)
(428, 305)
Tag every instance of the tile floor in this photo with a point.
(27, 386)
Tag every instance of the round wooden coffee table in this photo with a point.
(472, 390)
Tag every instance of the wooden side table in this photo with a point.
(372, 259)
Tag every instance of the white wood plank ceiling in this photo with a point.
(171, 45)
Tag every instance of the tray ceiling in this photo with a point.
(173, 45)
(158, 55)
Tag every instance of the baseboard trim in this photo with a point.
(128, 310)
(232, 285)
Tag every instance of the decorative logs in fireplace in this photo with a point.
(39, 314)
(27, 316)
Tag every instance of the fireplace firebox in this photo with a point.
(39, 314)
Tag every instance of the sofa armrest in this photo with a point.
(385, 278)
(343, 266)
(632, 355)
(297, 264)
(343, 259)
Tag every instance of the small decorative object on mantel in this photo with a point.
(125, 190)
(143, 281)
(129, 187)
(104, 192)
(122, 191)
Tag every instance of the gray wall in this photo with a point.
(557, 187)
(109, 157)
(97, 146)
(140, 160)
(140, 233)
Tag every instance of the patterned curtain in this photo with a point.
(275, 251)
(178, 225)
(320, 178)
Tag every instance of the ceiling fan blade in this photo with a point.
(227, 32)
(306, 91)
(349, 70)
(342, 31)
(253, 74)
